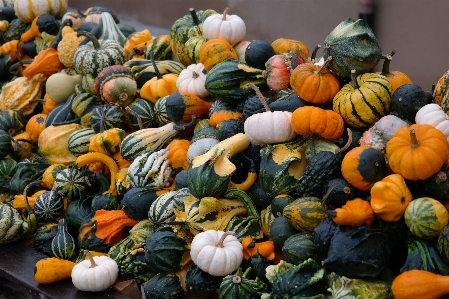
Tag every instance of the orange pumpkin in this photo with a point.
(390, 197)
(396, 78)
(46, 62)
(313, 83)
(177, 154)
(309, 120)
(35, 125)
(285, 45)
(417, 152)
(215, 51)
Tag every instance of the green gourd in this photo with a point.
(63, 244)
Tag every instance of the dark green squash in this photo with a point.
(15, 29)
(104, 202)
(443, 244)
(288, 103)
(12, 122)
(27, 171)
(278, 204)
(353, 46)
(63, 244)
(107, 116)
(181, 180)
(115, 84)
(126, 29)
(70, 183)
(280, 230)
(200, 284)
(133, 265)
(61, 113)
(253, 105)
(260, 198)
(161, 48)
(164, 286)
(48, 206)
(258, 52)
(341, 192)
(240, 285)
(164, 250)
(83, 106)
(7, 169)
(5, 63)
(300, 247)
(437, 185)
(77, 210)
(229, 128)
(145, 110)
(6, 147)
(44, 235)
(407, 100)
(137, 201)
(225, 81)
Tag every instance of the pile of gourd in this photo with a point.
(203, 165)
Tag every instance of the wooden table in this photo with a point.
(17, 266)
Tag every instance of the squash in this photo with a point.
(258, 52)
(27, 11)
(60, 86)
(192, 80)
(11, 224)
(215, 51)
(426, 217)
(240, 285)
(280, 229)
(305, 213)
(63, 245)
(441, 88)
(353, 46)
(68, 46)
(355, 212)
(310, 120)
(107, 117)
(181, 107)
(363, 101)
(278, 69)
(42, 23)
(419, 284)
(193, 48)
(48, 206)
(107, 142)
(229, 27)
(201, 284)
(221, 111)
(50, 270)
(44, 235)
(177, 154)
(35, 126)
(160, 46)
(70, 182)
(390, 197)
(434, 115)
(116, 84)
(110, 28)
(136, 39)
(286, 45)
(93, 58)
(423, 147)
(132, 266)
(300, 247)
(46, 62)
(136, 202)
(145, 110)
(407, 100)
(163, 286)
(79, 141)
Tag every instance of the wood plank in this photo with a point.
(17, 265)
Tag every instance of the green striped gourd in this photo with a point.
(145, 110)
(426, 217)
(11, 224)
(12, 121)
(143, 69)
(63, 245)
(61, 113)
(305, 213)
(363, 101)
(240, 285)
(161, 48)
(83, 106)
(6, 147)
(147, 141)
(160, 111)
(162, 209)
(300, 247)
(110, 29)
(70, 183)
(227, 81)
(107, 116)
(79, 141)
(150, 169)
(48, 206)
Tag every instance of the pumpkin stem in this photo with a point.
(325, 64)
(348, 144)
(134, 51)
(413, 140)
(260, 95)
(195, 75)
(224, 13)
(194, 16)
(156, 70)
(236, 279)
(25, 196)
(354, 79)
(389, 54)
(303, 56)
(81, 14)
(323, 201)
(432, 89)
(139, 119)
(223, 237)
(91, 258)
(314, 52)
(386, 66)
(91, 37)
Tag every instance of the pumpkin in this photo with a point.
(313, 83)
(95, 274)
(116, 84)
(269, 127)
(136, 39)
(419, 284)
(93, 57)
(390, 197)
(426, 217)
(417, 152)
(363, 101)
(396, 78)
(51, 269)
(353, 46)
(215, 51)
(27, 11)
(35, 126)
(286, 45)
(229, 27)
(218, 253)
(311, 120)
(192, 80)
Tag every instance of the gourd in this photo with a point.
(279, 230)
(240, 285)
(193, 48)
(433, 114)
(50, 270)
(201, 284)
(164, 286)
(137, 201)
(45, 62)
(79, 141)
(11, 224)
(192, 80)
(95, 274)
(229, 27)
(215, 51)
(441, 88)
(42, 23)
(364, 100)
(426, 217)
(286, 45)
(419, 284)
(132, 266)
(160, 46)
(135, 40)
(310, 120)
(258, 52)
(269, 127)
(278, 69)
(216, 252)
(35, 125)
(116, 85)
(70, 182)
(422, 146)
(48, 206)
(63, 245)
(177, 154)
(300, 247)
(110, 29)
(353, 46)
(61, 85)
(407, 100)
(305, 213)
(355, 212)
(27, 11)
(390, 197)
(396, 78)
(107, 142)
(107, 117)
(146, 112)
(182, 106)
(68, 46)
(93, 58)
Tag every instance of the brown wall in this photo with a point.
(416, 29)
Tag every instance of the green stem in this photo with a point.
(194, 16)
(91, 37)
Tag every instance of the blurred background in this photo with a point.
(417, 30)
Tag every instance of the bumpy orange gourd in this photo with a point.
(417, 152)
(50, 270)
(313, 83)
(251, 248)
(35, 125)
(309, 120)
(356, 212)
(46, 62)
(215, 51)
(419, 284)
(137, 38)
(390, 197)
(177, 154)
(158, 87)
(285, 45)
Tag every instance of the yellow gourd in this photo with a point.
(68, 46)
(51, 270)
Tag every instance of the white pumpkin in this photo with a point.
(229, 27)
(28, 10)
(95, 274)
(433, 114)
(218, 253)
(383, 130)
(192, 80)
(240, 49)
